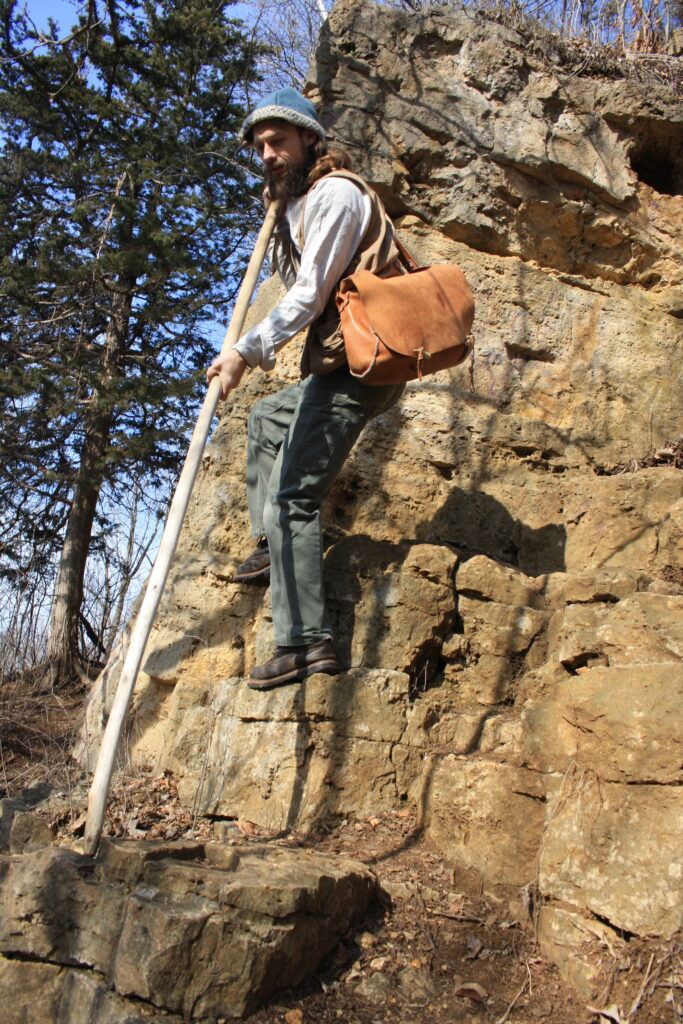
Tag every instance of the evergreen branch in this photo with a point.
(44, 40)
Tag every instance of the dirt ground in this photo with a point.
(433, 948)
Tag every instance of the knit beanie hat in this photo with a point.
(288, 105)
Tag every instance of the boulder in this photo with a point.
(191, 934)
(46, 993)
(21, 828)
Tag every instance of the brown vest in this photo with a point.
(324, 346)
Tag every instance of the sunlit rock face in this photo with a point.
(504, 548)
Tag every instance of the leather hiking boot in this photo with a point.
(256, 568)
(292, 664)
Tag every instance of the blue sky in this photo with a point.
(65, 12)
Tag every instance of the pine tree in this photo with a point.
(123, 217)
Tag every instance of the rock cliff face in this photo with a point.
(504, 557)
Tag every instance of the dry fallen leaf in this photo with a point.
(472, 990)
(294, 1017)
(77, 825)
(609, 1013)
(474, 945)
(247, 828)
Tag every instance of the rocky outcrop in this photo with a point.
(504, 549)
(197, 931)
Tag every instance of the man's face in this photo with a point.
(286, 155)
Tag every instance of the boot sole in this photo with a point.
(330, 668)
(255, 579)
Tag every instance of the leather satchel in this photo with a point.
(406, 326)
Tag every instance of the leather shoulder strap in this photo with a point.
(350, 176)
(409, 261)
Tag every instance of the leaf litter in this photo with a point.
(434, 947)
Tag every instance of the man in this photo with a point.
(298, 439)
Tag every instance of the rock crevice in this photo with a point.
(506, 599)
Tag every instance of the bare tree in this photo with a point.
(289, 33)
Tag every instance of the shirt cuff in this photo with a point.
(249, 352)
(257, 349)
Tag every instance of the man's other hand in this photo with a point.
(229, 369)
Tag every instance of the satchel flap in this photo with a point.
(430, 309)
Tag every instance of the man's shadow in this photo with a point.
(358, 570)
(477, 523)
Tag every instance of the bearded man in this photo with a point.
(331, 224)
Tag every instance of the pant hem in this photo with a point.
(297, 641)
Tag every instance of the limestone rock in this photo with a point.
(496, 624)
(182, 935)
(48, 994)
(30, 991)
(484, 579)
(571, 939)
(604, 850)
(488, 817)
(624, 724)
(297, 755)
(375, 988)
(390, 606)
(599, 586)
(483, 679)
(643, 629)
(573, 635)
(416, 985)
(500, 629)
(21, 828)
(504, 548)
(503, 734)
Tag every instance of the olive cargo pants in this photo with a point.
(298, 440)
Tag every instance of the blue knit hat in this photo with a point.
(286, 105)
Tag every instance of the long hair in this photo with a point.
(327, 160)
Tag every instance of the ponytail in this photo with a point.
(332, 160)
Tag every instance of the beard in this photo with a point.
(292, 182)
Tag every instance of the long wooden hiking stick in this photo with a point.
(99, 789)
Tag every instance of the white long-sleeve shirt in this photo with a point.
(337, 216)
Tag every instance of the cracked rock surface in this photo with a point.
(504, 549)
(195, 930)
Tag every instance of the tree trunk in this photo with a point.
(68, 596)
(63, 647)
